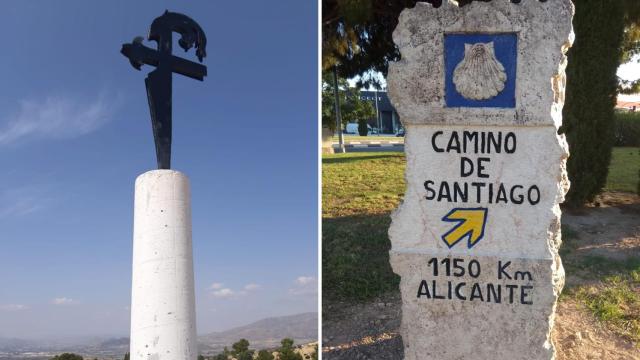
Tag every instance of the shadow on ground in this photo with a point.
(388, 349)
(355, 258)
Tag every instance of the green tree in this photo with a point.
(67, 356)
(286, 351)
(352, 107)
(606, 35)
(126, 356)
(356, 35)
(224, 355)
(241, 346)
(265, 355)
(358, 110)
(200, 357)
(328, 100)
(630, 44)
(241, 350)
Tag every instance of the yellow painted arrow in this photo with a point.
(471, 223)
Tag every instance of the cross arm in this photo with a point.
(139, 54)
(188, 68)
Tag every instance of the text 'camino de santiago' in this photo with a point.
(486, 144)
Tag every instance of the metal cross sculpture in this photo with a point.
(159, 80)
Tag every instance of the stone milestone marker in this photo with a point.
(480, 90)
(163, 320)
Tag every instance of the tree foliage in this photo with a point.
(126, 356)
(630, 43)
(352, 107)
(67, 356)
(240, 346)
(287, 352)
(224, 355)
(357, 35)
(241, 350)
(265, 355)
(602, 42)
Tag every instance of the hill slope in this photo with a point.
(263, 334)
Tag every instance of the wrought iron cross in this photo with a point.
(159, 80)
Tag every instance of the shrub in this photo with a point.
(363, 129)
(67, 356)
(592, 85)
(627, 129)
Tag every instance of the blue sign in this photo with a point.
(490, 47)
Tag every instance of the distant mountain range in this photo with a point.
(262, 334)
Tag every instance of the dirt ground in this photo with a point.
(610, 227)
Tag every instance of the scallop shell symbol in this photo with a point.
(479, 76)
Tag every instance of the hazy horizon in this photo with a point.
(72, 338)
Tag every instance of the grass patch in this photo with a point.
(362, 183)
(569, 240)
(359, 190)
(614, 295)
(616, 302)
(355, 258)
(600, 267)
(623, 170)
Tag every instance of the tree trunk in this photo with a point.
(327, 141)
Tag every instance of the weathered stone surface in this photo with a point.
(476, 238)
(475, 318)
(538, 160)
(416, 82)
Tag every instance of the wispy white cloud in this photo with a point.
(304, 280)
(56, 117)
(63, 301)
(223, 293)
(218, 290)
(13, 307)
(252, 287)
(304, 285)
(216, 286)
(22, 200)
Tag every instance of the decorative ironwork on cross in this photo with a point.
(159, 81)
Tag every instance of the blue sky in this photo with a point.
(75, 132)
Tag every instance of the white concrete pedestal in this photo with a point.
(163, 325)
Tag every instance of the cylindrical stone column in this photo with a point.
(163, 324)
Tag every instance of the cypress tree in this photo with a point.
(591, 94)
